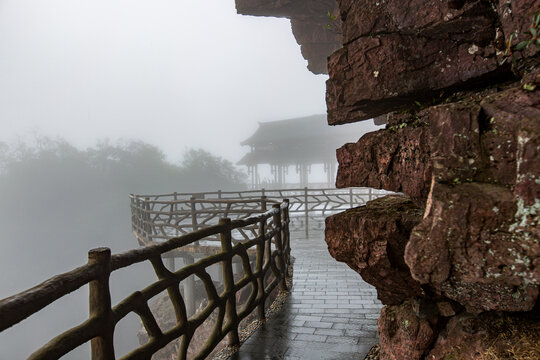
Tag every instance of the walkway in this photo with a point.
(331, 313)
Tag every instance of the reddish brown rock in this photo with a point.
(372, 239)
(318, 37)
(482, 139)
(285, 8)
(485, 139)
(441, 19)
(477, 152)
(396, 53)
(464, 249)
(447, 308)
(375, 75)
(403, 335)
(510, 140)
(399, 52)
(395, 161)
(455, 152)
(315, 31)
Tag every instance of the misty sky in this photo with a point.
(175, 73)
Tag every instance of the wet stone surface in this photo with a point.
(331, 312)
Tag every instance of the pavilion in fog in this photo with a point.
(298, 144)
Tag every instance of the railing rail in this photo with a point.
(158, 217)
(271, 245)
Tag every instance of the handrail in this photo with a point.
(251, 193)
(158, 217)
(271, 245)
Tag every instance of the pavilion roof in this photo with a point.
(304, 128)
(301, 140)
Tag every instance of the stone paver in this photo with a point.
(331, 312)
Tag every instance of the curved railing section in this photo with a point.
(158, 217)
(263, 257)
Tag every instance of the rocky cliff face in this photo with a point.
(459, 252)
(315, 24)
(396, 53)
(456, 257)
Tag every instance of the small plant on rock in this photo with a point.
(333, 26)
(534, 32)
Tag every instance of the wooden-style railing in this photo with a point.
(157, 217)
(271, 248)
(162, 218)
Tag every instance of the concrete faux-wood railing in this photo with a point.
(272, 253)
(157, 217)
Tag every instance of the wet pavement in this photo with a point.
(331, 312)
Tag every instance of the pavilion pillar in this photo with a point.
(330, 169)
(251, 173)
(275, 172)
(256, 172)
(304, 175)
(332, 174)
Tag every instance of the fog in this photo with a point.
(165, 72)
(100, 99)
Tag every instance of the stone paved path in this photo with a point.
(331, 312)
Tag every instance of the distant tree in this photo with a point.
(77, 199)
(57, 202)
(205, 170)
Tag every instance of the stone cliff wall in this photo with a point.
(456, 258)
(314, 29)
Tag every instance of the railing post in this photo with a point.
(370, 192)
(220, 205)
(351, 197)
(102, 346)
(259, 262)
(278, 225)
(287, 235)
(194, 223)
(176, 211)
(147, 219)
(306, 210)
(263, 203)
(133, 212)
(228, 282)
(193, 214)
